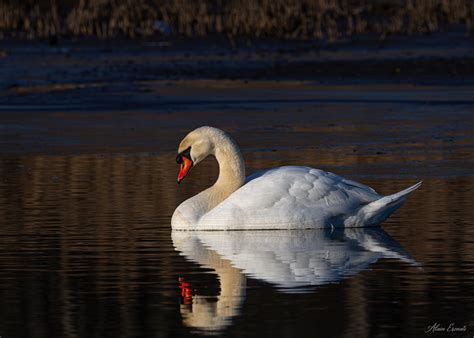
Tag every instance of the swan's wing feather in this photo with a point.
(287, 196)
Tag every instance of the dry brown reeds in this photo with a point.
(251, 19)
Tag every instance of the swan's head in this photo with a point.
(194, 148)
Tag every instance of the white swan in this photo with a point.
(289, 197)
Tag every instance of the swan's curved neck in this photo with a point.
(231, 170)
(231, 177)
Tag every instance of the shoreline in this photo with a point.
(129, 98)
(438, 59)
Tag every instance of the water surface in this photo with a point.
(86, 247)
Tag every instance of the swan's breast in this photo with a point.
(187, 214)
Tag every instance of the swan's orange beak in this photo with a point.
(184, 167)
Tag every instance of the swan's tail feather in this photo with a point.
(377, 211)
(398, 195)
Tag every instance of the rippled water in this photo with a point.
(86, 247)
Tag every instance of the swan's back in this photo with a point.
(289, 197)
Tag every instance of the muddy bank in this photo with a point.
(444, 58)
(99, 75)
(366, 100)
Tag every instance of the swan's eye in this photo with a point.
(186, 153)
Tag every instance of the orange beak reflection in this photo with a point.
(184, 167)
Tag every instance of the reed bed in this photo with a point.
(250, 19)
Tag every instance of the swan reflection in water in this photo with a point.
(291, 260)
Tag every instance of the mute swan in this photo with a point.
(290, 197)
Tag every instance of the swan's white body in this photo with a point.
(289, 197)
